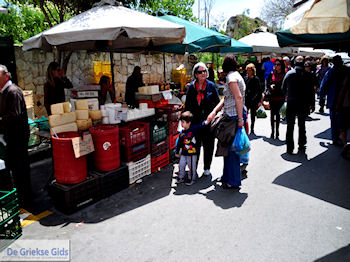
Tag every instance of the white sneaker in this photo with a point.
(206, 172)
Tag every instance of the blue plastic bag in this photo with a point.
(241, 144)
(244, 159)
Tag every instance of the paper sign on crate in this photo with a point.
(82, 146)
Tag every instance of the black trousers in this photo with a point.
(295, 111)
(206, 139)
(17, 161)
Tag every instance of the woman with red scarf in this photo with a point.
(276, 96)
(201, 99)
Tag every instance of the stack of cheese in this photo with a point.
(62, 119)
(84, 115)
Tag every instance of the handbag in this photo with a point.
(241, 144)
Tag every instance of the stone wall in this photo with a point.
(32, 66)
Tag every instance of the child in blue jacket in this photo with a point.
(187, 148)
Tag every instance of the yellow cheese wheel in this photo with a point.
(95, 114)
(58, 120)
(65, 128)
(81, 104)
(82, 114)
(84, 124)
(66, 107)
(57, 109)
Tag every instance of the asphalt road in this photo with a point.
(290, 208)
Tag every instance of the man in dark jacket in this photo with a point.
(14, 127)
(298, 88)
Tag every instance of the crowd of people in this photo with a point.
(295, 81)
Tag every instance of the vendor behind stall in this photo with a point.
(132, 84)
(106, 94)
(54, 87)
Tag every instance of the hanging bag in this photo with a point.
(241, 143)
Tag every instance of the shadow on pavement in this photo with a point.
(153, 187)
(201, 183)
(325, 177)
(340, 255)
(253, 136)
(296, 158)
(225, 198)
(322, 114)
(274, 142)
(309, 118)
(325, 134)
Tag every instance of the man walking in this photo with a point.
(14, 127)
(298, 88)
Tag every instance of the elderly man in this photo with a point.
(298, 88)
(14, 127)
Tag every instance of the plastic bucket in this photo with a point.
(68, 169)
(106, 143)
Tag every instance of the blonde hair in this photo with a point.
(252, 67)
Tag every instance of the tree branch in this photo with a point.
(41, 3)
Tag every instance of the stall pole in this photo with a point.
(164, 68)
(112, 69)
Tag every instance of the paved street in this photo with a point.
(290, 208)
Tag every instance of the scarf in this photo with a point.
(200, 92)
(278, 77)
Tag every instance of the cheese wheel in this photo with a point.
(84, 124)
(95, 114)
(65, 128)
(58, 120)
(82, 114)
(66, 107)
(81, 104)
(57, 109)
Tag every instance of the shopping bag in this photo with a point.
(261, 113)
(241, 144)
(283, 110)
(244, 159)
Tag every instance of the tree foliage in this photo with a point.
(274, 12)
(180, 8)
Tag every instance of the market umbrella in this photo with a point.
(264, 42)
(109, 28)
(321, 24)
(235, 47)
(197, 37)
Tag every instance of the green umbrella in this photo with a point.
(199, 38)
(235, 47)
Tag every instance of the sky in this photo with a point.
(228, 8)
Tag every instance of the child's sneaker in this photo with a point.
(179, 180)
(189, 182)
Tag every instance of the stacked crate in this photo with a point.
(10, 225)
(160, 145)
(135, 149)
(171, 114)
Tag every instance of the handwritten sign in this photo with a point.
(82, 146)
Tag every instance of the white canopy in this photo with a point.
(320, 17)
(264, 42)
(108, 28)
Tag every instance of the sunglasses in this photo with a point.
(201, 71)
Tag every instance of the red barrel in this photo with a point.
(68, 169)
(106, 143)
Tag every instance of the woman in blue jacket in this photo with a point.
(201, 98)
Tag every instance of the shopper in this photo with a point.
(106, 94)
(56, 82)
(276, 97)
(14, 127)
(187, 148)
(331, 85)
(201, 99)
(253, 93)
(232, 104)
(321, 71)
(298, 87)
(132, 86)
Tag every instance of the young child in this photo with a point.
(187, 148)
